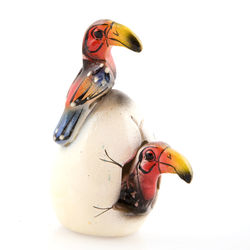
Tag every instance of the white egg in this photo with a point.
(81, 180)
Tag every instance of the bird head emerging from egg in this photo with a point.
(156, 159)
(96, 77)
(141, 177)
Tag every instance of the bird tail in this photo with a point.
(69, 125)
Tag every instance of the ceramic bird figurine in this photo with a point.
(96, 77)
(106, 181)
(141, 177)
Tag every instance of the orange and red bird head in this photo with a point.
(103, 34)
(157, 158)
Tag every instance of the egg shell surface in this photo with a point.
(81, 180)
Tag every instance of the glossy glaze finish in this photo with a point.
(96, 77)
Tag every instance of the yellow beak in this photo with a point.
(173, 162)
(120, 35)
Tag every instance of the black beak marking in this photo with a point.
(187, 177)
(135, 44)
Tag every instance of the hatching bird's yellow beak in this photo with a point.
(120, 35)
(173, 162)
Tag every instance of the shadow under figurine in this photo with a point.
(107, 171)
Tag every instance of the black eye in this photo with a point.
(98, 34)
(149, 156)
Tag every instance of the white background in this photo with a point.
(192, 82)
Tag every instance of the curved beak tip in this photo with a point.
(187, 177)
(135, 43)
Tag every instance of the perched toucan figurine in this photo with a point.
(96, 77)
(141, 177)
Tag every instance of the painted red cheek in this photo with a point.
(148, 184)
(94, 45)
(148, 166)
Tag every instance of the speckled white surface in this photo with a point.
(81, 180)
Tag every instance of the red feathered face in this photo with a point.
(95, 43)
(155, 159)
(105, 33)
(149, 160)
